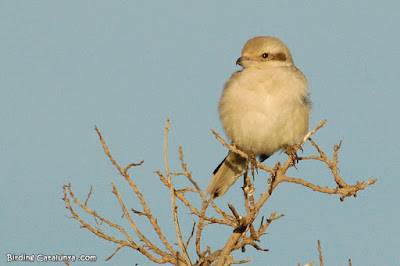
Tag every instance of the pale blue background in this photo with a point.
(126, 66)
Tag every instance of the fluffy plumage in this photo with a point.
(263, 107)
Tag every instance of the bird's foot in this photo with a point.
(291, 151)
(253, 162)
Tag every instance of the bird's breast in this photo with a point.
(262, 110)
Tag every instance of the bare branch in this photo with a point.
(124, 173)
(191, 235)
(244, 232)
(65, 261)
(264, 226)
(331, 165)
(221, 212)
(133, 225)
(121, 171)
(312, 132)
(88, 196)
(345, 191)
(235, 213)
(115, 252)
(99, 233)
(132, 164)
(174, 207)
(321, 262)
(232, 261)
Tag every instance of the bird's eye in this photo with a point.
(265, 55)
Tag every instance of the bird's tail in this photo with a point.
(226, 174)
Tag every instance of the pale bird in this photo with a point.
(264, 108)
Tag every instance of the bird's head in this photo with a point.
(265, 52)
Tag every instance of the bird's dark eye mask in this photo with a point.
(278, 57)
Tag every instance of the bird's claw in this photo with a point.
(291, 151)
(253, 162)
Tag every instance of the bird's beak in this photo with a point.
(241, 60)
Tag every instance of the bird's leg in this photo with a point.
(246, 182)
(291, 151)
(253, 162)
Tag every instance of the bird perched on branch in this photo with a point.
(264, 108)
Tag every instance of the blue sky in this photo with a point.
(125, 66)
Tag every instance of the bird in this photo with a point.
(264, 108)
